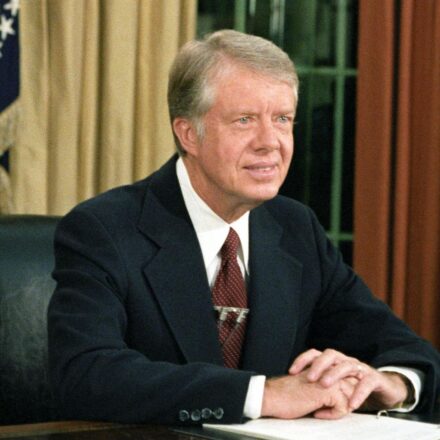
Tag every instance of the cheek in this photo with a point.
(290, 153)
(231, 153)
(288, 148)
(221, 162)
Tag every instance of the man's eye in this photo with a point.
(284, 118)
(244, 120)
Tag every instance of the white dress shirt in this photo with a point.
(211, 232)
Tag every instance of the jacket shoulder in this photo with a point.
(119, 202)
(289, 211)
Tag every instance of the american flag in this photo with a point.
(9, 91)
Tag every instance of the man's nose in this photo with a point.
(267, 137)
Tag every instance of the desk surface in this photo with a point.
(78, 430)
(88, 431)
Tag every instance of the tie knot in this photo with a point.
(230, 246)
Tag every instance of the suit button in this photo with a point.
(218, 413)
(183, 415)
(195, 415)
(206, 413)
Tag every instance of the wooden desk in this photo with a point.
(77, 430)
(74, 430)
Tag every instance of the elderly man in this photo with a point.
(199, 295)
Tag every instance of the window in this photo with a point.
(321, 38)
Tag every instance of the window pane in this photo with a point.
(309, 179)
(310, 27)
(259, 19)
(214, 15)
(299, 37)
(296, 185)
(352, 34)
(346, 248)
(325, 33)
(348, 161)
(322, 147)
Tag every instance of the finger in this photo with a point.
(335, 410)
(347, 386)
(362, 391)
(303, 361)
(343, 370)
(322, 363)
(329, 413)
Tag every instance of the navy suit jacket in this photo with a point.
(132, 331)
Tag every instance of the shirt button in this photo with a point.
(195, 415)
(183, 415)
(218, 413)
(206, 413)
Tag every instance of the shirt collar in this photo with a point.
(211, 229)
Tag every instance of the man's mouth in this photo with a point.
(262, 170)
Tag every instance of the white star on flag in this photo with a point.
(6, 27)
(13, 6)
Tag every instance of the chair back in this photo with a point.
(26, 263)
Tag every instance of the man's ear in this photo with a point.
(186, 132)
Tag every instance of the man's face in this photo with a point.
(244, 155)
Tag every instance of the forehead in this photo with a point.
(238, 85)
(238, 82)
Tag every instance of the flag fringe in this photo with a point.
(6, 205)
(8, 137)
(8, 126)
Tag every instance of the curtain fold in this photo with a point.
(94, 77)
(397, 191)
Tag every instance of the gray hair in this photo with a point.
(190, 92)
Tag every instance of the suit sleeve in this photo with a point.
(350, 319)
(94, 373)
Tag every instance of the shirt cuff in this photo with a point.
(254, 397)
(416, 378)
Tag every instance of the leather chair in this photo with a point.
(26, 262)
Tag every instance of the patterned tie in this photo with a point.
(230, 291)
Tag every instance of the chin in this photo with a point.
(262, 196)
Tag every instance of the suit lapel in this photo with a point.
(273, 296)
(177, 274)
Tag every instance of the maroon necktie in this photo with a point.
(230, 291)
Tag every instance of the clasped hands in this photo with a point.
(330, 385)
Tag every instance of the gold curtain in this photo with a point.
(397, 194)
(93, 91)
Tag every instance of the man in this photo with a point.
(139, 330)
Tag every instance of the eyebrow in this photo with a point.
(241, 112)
